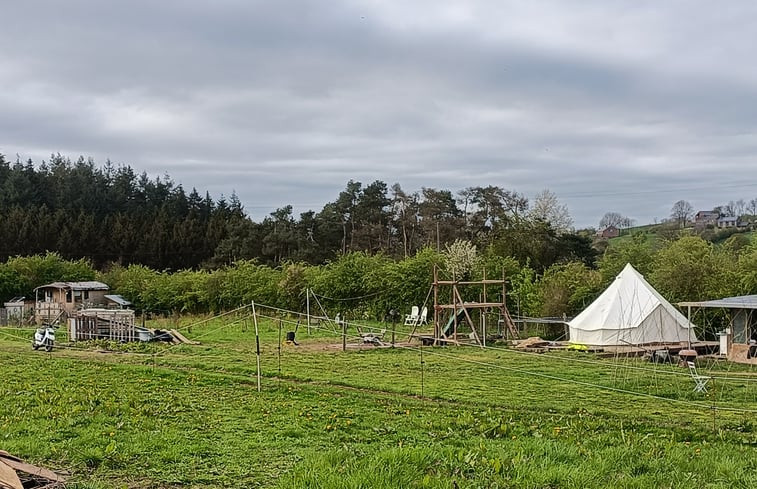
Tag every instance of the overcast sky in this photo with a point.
(622, 106)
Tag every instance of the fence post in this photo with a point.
(257, 341)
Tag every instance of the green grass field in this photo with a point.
(156, 416)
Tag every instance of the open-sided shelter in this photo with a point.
(630, 312)
(739, 340)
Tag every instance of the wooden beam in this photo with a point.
(467, 316)
(458, 282)
(471, 305)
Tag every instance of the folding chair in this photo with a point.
(699, 380)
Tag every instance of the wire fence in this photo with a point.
(493, 358)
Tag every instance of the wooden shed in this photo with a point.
(57, 300)
(18, 310)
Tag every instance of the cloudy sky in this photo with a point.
(622, 106)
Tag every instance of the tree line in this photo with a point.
(362, 285)
(112, 214)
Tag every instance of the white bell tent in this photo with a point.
(630, 312)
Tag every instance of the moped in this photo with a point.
(44, 337)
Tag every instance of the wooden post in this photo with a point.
(454, 311)
(307, 306)
(483, 327)
(279, 347)
(437, 329)
(422, 368)
(257, 342)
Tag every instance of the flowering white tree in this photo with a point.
(460, 258)
(547, 208)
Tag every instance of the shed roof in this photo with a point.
(90, 285)
(118, 299)
(739, 302)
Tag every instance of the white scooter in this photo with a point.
(44, 337)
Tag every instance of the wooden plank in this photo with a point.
(8, 477)
(19, 466)
(477, 282)
(182, 338)
(470, 305)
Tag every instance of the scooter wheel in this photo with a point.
(48, 348)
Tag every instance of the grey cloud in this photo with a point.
(286, 101)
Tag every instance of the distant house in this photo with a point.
(58, 299)
(730, 222)
(704, 218)
(609, 232)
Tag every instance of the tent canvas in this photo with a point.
(630, 311)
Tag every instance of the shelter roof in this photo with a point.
(118, 299)
(739, 302)
(90, 285)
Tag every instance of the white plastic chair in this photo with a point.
(700, 381)
(423, 319)
(412, 318)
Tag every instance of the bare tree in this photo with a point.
(752, 207)
(739, 208)
(547, 208)
(615, 219)
(682, 211)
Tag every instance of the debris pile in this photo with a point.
(17, 474)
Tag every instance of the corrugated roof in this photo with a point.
(89, 285)
(118, 299)
(739, 302)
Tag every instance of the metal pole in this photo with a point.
(257, 341)
(344, 335)
(688, 329)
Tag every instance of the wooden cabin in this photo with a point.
(59, 300)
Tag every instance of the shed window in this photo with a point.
(69, 296)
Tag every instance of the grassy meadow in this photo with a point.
(161, 416)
